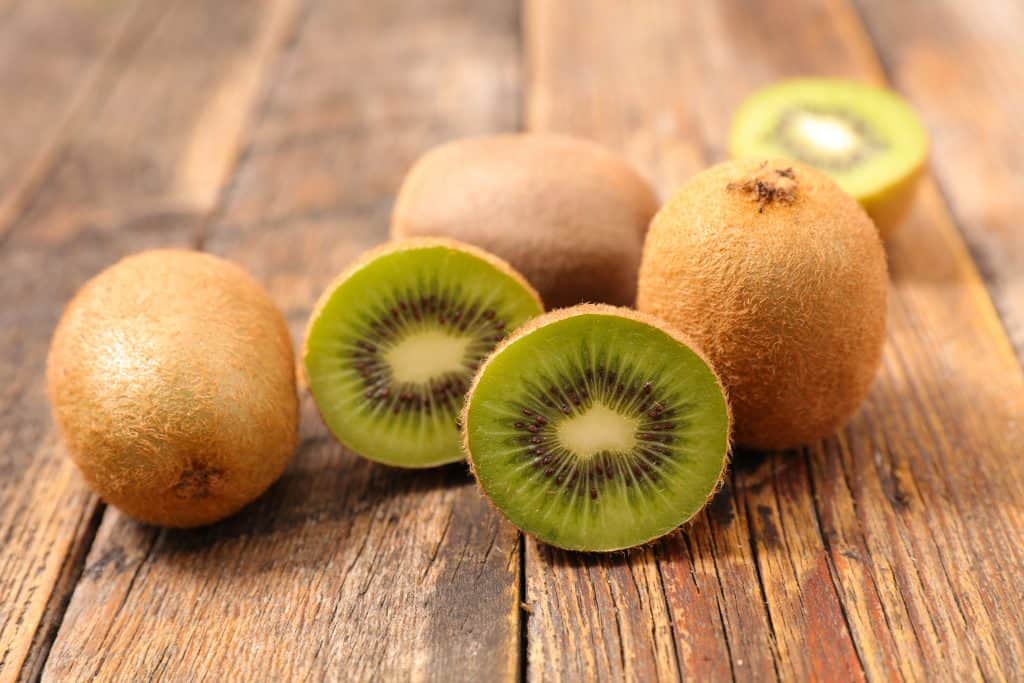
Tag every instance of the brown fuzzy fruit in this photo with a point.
(566, 213)
(781, 278)
(171, 377)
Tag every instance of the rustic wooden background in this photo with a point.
(275, 132)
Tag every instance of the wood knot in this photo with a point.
(768, 186)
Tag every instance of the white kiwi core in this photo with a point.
(424, 355)
(598, 430)
(826, 132)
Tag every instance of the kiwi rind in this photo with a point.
(171, 377)
(605, 310)
(567, 213)
(886, 190)
(370, 257)
(787, 298)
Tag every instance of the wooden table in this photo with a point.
(275, 133)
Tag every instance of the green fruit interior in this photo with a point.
(866, 138)
(391, 353)
(597, 432)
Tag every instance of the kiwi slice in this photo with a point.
(868, 139)
(393, 344)
(596, 428)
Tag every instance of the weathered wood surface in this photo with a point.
(344, 569)
(974, 103)
(276, 132)
(104, 118)
(893, 550)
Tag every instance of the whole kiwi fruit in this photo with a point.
(780, 277)
(566, 213)
(172, 380)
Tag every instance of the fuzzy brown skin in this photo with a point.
(566, 213)
(599, 309)
(782, 281)
(171, 376)
(387, 248)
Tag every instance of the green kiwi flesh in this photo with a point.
(868, 139)
(394, 344)
(595, 429)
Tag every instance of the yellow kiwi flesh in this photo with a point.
(780, 277)
(171, 377)
(566, 213)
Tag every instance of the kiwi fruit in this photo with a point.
(172, 380)
(868, 139)
(781, 278)
(566, 213)
(393, 344)
(597, 428)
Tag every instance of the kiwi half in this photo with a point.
(393, 344)
(868, 139)
(596, 428)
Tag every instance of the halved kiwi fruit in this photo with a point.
(868, 139)
(393, 344)
(596, 428)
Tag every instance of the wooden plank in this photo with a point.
(345, 569)
(53, 55)
(111, 186)
(889, 551)
(960, 64)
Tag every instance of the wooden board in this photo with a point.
(70, 47)
(98, 185)
(874, 554)
(345, 569)
(276, 132)
(973, 106)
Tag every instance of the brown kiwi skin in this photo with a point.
(567, 213)
(171, 378)
(786, 292)
(602, 309)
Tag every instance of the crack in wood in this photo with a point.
(752, 539)
(832, 572)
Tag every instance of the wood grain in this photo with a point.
(345, 569)
(960, 64)
(889, 551)
(276, 132)
(103, 187)
(53, 57)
